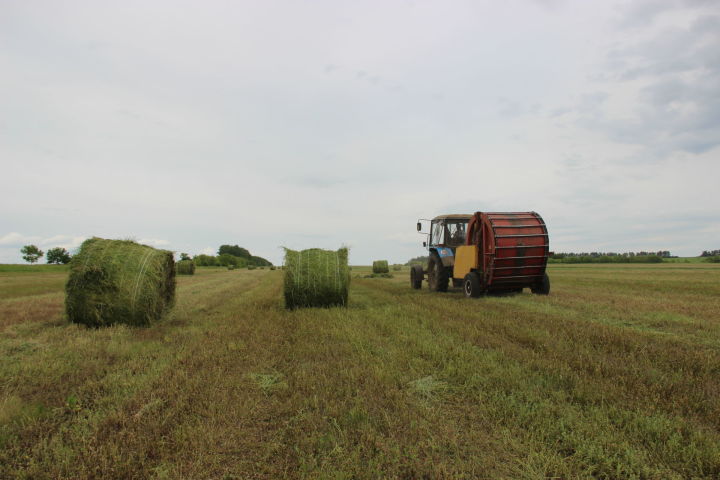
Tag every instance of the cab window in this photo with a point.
(455, 235)
(437, 233)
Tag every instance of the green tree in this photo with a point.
(31, 253)
(58, 255)
(259, 261)
(234, 250)
(226, 259)
(183, 256)
(205, 260)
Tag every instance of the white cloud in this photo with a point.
(154, 242)
(15, 239)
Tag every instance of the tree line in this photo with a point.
(227, 255)
(230, 255)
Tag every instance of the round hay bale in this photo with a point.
(316, 278)
(185, 267)
(119, 281)
(381, 266)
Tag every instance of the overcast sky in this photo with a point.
(187, 125)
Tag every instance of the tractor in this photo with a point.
(485, 253)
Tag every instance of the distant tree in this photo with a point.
(234, 250)
(226, 260)
(422, 260)
(183, 256)
(31, 253)
(58, 255)
(259, 261)
(205, 261)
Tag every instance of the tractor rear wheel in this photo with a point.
(472, 286)
(438, 277)
(416, 276)
(543, 287)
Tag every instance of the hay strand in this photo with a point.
(119, 281)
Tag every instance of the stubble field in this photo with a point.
(616, 374)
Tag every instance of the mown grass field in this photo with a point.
(615, 375)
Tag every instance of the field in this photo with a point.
(615, 375)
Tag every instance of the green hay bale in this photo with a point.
(119, 281)
(397, 267)
(381, 266)
(185, 267)
(316, 278)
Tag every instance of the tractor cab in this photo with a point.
(447, 232)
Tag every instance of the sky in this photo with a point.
(187, 125)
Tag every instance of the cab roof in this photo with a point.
(454, 216)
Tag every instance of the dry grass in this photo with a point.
(614, 375)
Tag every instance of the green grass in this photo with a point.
(18, 268)
(616, 374)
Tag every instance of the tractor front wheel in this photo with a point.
(438, 277)
(472, 285)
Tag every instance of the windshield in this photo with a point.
(449, 232)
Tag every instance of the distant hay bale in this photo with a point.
(119, 281)
(381, 266)
(397, 267)
(316, 278)
(185, 267)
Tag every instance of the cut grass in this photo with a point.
(605, 378)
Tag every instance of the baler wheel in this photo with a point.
(416, 276)
(472, 286)
(542, 288)
(438, 278)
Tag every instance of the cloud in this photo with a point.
(660, 86)
(14, 239)
(154, 242)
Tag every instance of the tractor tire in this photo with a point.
(472, 285)
(416, 276)
(438, 278)
(543, 287)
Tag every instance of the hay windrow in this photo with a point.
(119, 281)
(185, 267)
(381, 266)
(316, 278)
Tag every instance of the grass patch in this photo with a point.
(614, 375)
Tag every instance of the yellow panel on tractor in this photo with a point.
(466, 259)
